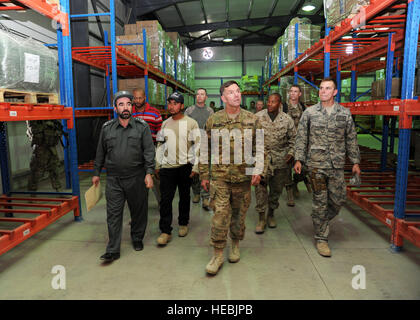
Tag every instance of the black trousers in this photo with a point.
(170, 179)
(117, 191)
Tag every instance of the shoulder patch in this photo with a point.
(140, 120)
(108, 122)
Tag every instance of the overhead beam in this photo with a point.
(258, 32)
(275, 2)
(273, 21)
(200, 37)
(251, 2)
(204, 11)
(180, 15)
(204, 44)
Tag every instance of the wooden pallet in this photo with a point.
(10, 95)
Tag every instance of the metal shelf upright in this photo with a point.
(357, 45)
(48, 209)
(114, 59)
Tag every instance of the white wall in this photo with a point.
(226, 64)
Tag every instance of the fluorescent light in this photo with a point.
(227, 40)
(308, 7)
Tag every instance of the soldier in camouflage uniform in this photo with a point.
(326, 134)
(45, 136)
(230, 191)
(279, 141)
(294, 108)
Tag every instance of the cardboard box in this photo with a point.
(130, 84)
(138, 50)
(130, 29)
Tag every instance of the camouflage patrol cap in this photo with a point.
(122, 94)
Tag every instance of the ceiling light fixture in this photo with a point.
(227, 38)
(309, 7)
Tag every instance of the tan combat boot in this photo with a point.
(270, 219)
(196, 198)
(163, 239)
(234, 254)
(323, 248)
(216, 262)
(261, 223)
(206, 204)
(182, 231)
(290, 199)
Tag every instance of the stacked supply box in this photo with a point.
(156, 36)
(336, 11)
(378, 89)
(137, 50)
(308, 35)
(154, 94)
(178, 62)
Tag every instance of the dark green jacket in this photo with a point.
(125, 152)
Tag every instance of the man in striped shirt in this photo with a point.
(146, 112)
(153, 118)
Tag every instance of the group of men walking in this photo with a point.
(221, 155)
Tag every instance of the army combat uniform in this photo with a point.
(199, 114)
(230, 190)
(295, 112)
(46, 135)
(279, 141)
(322, 143)
(128, 155)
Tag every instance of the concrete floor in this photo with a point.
(280, 264)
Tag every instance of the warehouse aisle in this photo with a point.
(280, 264)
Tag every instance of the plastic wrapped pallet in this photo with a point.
(336, 11)
(267, 59)
(250, 83)
(156, 36)
(308, 35)
(169, 55)
(27, 65)
(180, 65)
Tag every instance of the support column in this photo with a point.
(338, 80)
(68, 63)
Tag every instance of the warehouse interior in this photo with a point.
(369, 47)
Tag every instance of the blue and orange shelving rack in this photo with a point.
(48, 209)
(376, 31)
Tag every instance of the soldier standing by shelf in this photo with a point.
(45, 136)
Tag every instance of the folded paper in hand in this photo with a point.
(92, 196)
